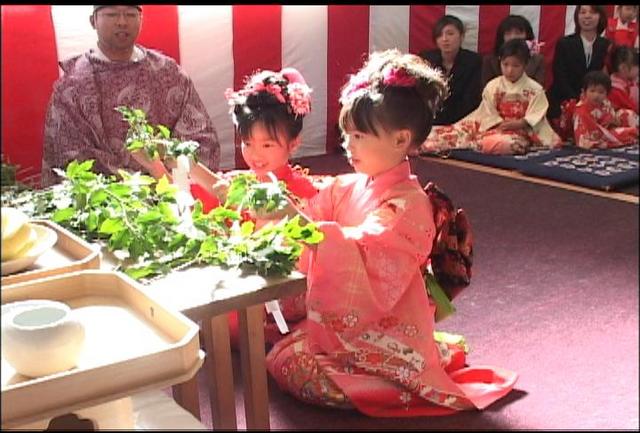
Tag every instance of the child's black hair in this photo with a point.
(623, 55)
(596, 78)
(393, 91)
(265, 108)
(515, 48)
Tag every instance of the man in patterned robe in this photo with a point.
(82, 122)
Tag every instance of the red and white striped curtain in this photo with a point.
(219, 45)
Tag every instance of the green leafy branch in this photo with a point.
(138, 220)
(155, 141)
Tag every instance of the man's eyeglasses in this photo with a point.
(113, 16)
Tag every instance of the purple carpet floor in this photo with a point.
(554, 297)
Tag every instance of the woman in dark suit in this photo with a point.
(576, 54)
(460, 66)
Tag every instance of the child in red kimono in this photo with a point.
(268, 113)
(511, 118)
(624, 78)
(623, 29)
(368, 340)
(596, 124)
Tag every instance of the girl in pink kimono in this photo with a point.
(511, 118)
(368, 339)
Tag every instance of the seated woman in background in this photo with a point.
(460, 66)
(624, 78)
(596, 124)
(576, 54)
(511, 118)
(512, 27)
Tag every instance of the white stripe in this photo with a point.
(531, 13)
(74, 34)
(389, 28)
(569, 23)
(469, 16)
(206, 53)
(304, 47)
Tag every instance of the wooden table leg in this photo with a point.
(220, 373)
(186, 395)
(254, 370)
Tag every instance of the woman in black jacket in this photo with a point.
(461, 67)
(576, 54)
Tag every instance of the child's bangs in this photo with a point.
(359, 116)
(270, 121)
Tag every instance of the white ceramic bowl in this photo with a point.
(47, 238)
(41, 337)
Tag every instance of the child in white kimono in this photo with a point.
(511, 118)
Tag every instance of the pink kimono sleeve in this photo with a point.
(368, 268)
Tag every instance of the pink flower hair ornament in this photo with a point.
(360, 84)
(288, 88)
(398, 77)
(535, 47)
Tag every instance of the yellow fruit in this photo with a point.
(20, 243)
(12, 220)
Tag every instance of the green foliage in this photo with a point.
(155, 141)
(246, 191)
(138, 220)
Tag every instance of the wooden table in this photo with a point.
(207, 294)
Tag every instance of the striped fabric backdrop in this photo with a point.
(219, 45)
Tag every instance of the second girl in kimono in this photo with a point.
(511, 118)
(368, 342)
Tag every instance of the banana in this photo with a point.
(18, 236)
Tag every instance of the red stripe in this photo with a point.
(610, 9)
(552, 20)
(160, 29)
(29, 68)
(345, 23)
(422, 20)
(489, 18)
(257, 45)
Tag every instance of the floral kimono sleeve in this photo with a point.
(487, 114)
(537, 109)
(359, 274)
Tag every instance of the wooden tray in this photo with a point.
(132, 344)
(70, 253)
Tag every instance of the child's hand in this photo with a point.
(512, 125)
(290, 211)
(154, 167)
(220, 189)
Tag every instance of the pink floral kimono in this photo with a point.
(602, 126)
(368, 340)
(501, 100)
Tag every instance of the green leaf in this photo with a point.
(164, 131)
(111, 225)
(164, 187)
(62, 215)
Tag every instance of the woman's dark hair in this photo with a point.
(264, 107)
(446, 20)
(516, 48)
(602, 17)
(596, 78)
(517, 22)
(393, 91)
(623, 55)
